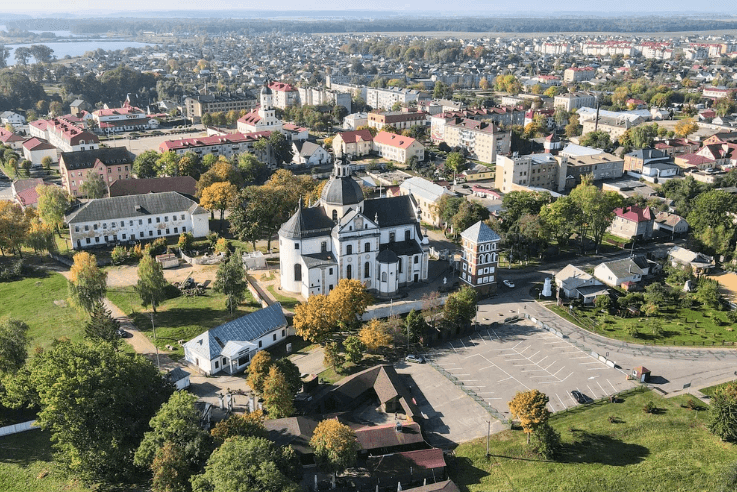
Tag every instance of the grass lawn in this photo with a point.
(32, 300)
(695, 326)
(180, 318)
(288, 303)
(668, 451)
(712, 389)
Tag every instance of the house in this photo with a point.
(231, 346)
(284, 94)
(659, 170)
(571, 281)
(295, 432)
(635, 160)
(229, 145)
(124, 118)
(78, 107)
(575, 100)
(179, 378)
(427, 195)
(355, 120)
(309, 154)
(399, 119)
(408, 467)
(24, 191)
(682, 258)
(35, 150)
(10, 139)
(398, 148)
(135, 217)
(11, 118)
(384, 439)
(633, 222)
(263, 117)
(185, 185)
(670, 223)
(478, 172)
(615, 273)
(113, 163)
(64, 134)
(480, 258)
(353, 144)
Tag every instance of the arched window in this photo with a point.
(335, 215)
(297, 272)
(383, 276)
(349, 249)
(367, 247)
(348, 272)
(367, 270)
(417, 259)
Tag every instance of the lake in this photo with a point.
(78, 48)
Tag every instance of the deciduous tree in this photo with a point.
(335, 446)
(14, 343)
(170, 470)
(529, 407)
(53, 202)
(87, 283)
(277, 394)
(460, 307)
(218, 196)
(230, 280)
(291, 373)
(258, 371)
(151, 286)
(686, 127)
(353, 349)
(13, 227)
(348, 301)
(315, 319)
(373, 335)
(146, 164)
(249, 424)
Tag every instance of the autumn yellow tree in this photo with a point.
(349, 301)
(686, 127)
(13, 227)
(218, 196)
(258, 370)
(87, 283)
(335, 446)
(529, 407)
(374, 335)
(249, 424)
(277, 395)
(314, 320)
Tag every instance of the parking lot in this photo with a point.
(496, 362)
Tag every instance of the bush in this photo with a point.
(13, 271)
(119, 255)
(212, 238)
(546, 441)
(222, 245)
(185, 241)
(157, 247)
(691, 404)
(649, 407)
(137, 252)
(633, 331)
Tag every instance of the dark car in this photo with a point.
(579, 397)
(124, 334)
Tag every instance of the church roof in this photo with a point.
(397, 210)
(342, 190)
(387, 256)
(307, 222)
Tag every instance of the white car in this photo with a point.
(508, 283)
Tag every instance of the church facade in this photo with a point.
(263, 117)
(378, 242)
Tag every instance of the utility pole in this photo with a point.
(488, 434)
(158, 363)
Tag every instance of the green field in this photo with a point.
(41, 302)
(667, 451)
(180, 318)
(287, 302)
(695, 326)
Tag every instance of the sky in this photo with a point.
(488, 7)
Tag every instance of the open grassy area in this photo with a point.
(667, 451)
(696, 326)
(288, 303)
(180, 318)
(41, 302)
(709, 391)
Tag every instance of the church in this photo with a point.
(378, 242)
(262, 118)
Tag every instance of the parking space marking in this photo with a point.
(602, 388)
(560, 400)
(610, 384)
(592, 391)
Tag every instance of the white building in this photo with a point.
(35, 149)
(230, 347)
(11, 118)
(480, 258)
(125, 118)
(615, 273)
(379, 98)
(355, 120)
(378, 242)
(427, 195)
(262, 118)
(136, 217)
(309, 154)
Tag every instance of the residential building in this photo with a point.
(355, 120)
(353, 144)
(230, 347)
(427, 195)
(398, 148)
(13, 119)
(617, 272)
(534, 171)
(574, 283)
(319, 97)
(574, 100)
(685, 258)
(105, 221)
(185, 185)
(670, 223)
(600, 166)
(483, 140)
(111, 164)
(608, 48)
(24, 191)
(633, 222)
(228, 145)
(284, 95)
(480, 258)
(635, 160)
(379, 98)
(309, 154)
(398, 119)
(718, 92)
(655, 171)
(378, 242)
(222, 102)
(64, 134)
(11, 140)
(677, 146)
(78, 108)
(35, 149)
(615, 127)
(578, 74)
(125, 118)
(263, 117)
(478, 172)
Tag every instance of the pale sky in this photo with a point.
(488, 7)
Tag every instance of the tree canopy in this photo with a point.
(335, 445)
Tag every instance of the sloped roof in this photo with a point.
(26, 184)
(387, 436)
(635, 213)
(293, 431)
(394, 140)
(211, 343)
(397, 464)
(185, 185)
(391, 211)
(37, 144)
(423, 188)
(446, 486)
(623, 268)
(480, 233)
(307, 222)
(123, 207)
(354, 136)
(85, 159)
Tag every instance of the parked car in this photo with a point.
(417, 359)
(508, 283)
(124, 334)
(579, 397)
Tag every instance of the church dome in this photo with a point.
(266, 90)
(342, 191)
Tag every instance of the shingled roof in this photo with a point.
(85, 159)
(186, 185)
(123, 207)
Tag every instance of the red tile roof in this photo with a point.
(191, 143)
(37, 144)
(28, 197)
(6, 136)
(281, 87)
(386, 138)
(635, 213)
(355, 136)
(251, 118)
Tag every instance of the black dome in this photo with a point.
(387, 257)
(266, 89)
(342, 191)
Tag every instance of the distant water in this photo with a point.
(78, 48)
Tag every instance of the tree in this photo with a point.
(596, 211)
(281, 148)
(685, 128)
(599, 140)
(277, 394)
(722, 419)
(573, 128)
(218, 196)
(102, 326)
(546, 441)
(258, 371)
(455, 162)
(353, 349)
(416, 326)
(13, 345)
(460, 307)
(315, 319)
(468, 214)
(250, 424)
(333, 357)
(530, 408)
(248, 464)
(221, 171)
(656, 294)
(151, 286)
(146, 165)
(87, 283)
(46, 162)
(170, 470)
(13, 227)
(603, 302)
(349, 301)
(291, 374)
(96, 403)
(374, 336)
(335, 446)
(252, 170)
(41, 52)
(22, 54)
(176, 422)
(231, 281)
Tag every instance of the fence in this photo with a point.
(601, 401)
(16, 428)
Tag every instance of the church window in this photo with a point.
(401, 262)
(297, 272)
(367, 270)
(349, 249)
(323, 246)
(296, 245)
(406, 235)
(348, 272)
(383, 276)
(367, 247)
(335, 215)
(417, 259)
(392, 236)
